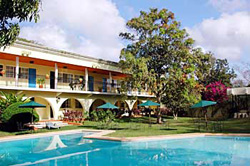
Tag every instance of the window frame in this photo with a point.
(13, 72)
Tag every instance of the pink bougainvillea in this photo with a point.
(216, 91)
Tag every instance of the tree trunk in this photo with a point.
(175, 115)
(159, 118)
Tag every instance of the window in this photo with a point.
(23, 73)
(10, 71)
(67, 78)
(67, 104)
(1, 69)
(60, 77)
(78, 104)
(77, 77)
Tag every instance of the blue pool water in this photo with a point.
(70, 150)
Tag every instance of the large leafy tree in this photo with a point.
(13, 12)
(160, 57)
(219, 71)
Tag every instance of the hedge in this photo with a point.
(14, 109)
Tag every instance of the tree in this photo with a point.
(220, 71)
(158, 55)
(13, 12)
(216, 91)
(244, 73)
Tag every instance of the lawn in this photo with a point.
(133, 127)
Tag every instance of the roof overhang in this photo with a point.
(239, 91)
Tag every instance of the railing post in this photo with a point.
(56, 75)
(17, 71)
(86, 79)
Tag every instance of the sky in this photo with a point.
(92, 27)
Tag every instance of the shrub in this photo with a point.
(216, 91)
(13, 110)
(9, 98)
(103, 116)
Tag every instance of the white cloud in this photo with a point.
(228, 36)
(87, 27)
(230, 5)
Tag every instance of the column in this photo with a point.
(86, 79)
(110, 81)
(56, 75)
(17, 71)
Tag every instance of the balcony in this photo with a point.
(44, 83)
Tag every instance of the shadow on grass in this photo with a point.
(168, 129)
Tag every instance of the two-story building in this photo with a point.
(63, 80)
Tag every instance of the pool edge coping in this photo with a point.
(101, 135)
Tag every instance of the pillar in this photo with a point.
(110, 81)
(17, 71)
(86, 79)
(56, 75)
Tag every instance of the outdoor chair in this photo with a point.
(50, 125)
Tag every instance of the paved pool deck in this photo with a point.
(102, 135)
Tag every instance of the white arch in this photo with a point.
(48, 101)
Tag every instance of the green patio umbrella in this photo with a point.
(149, 103)
(32, 105)
(202, 104)
(108, 106)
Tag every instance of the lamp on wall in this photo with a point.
(57, 99)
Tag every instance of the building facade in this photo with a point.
(63, 80)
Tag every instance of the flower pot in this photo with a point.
(40, 86)
(2, 72)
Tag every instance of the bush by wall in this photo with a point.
(14, 110)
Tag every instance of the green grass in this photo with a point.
(4, 133)
(133, 127)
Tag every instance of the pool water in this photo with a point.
(71, 150)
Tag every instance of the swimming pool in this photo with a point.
(72, 149)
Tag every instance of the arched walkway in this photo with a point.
(71, 104)
(95, 104)
(122, 105)
(71, 109)
(44, 113)
(135, 106)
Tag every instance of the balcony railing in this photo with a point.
(44, 82)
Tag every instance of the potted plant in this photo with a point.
(80, 80)
(41, 82)
(100, 89)
(2, 72)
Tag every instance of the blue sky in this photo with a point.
(92, 27)
(189, 12)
